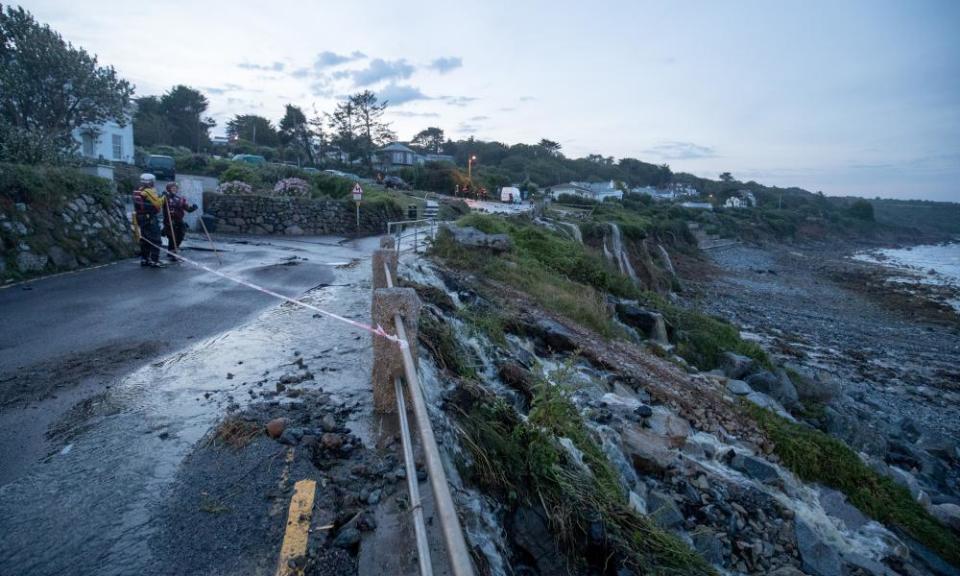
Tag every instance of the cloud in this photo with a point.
(409, 114)
(446, 64)
(300, 73)
(467, 128)
(377, 71)
(458, 100)
(275, 67)
(218, 90)
(328, 59)
(479, 118)
(397, 95)
(507, 109)
(527, 98)
(322, 87)
(681, 151)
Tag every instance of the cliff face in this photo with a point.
(53, 220)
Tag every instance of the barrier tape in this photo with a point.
(378, 331)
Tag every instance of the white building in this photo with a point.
(598, 191)
(106, 142)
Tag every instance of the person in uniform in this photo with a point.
(175, 207)
(147, 207)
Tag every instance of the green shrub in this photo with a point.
(238, 172)
(50, 185)
(817, 457)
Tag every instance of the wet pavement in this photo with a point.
(89, 464)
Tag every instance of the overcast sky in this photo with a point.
(848, 97)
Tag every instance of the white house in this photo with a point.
(697, 205)
(106, 142)
(598, 191)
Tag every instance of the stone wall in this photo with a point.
(60, 234)
(298, 216)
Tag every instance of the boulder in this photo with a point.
(816, 385)
(948, 514)
(669, 426)
(276, 427)
(471, 237)
(819, 558)
(835, 504)
(529, 530)
(738, 387)
(708, 543)
(778, 387)
(651, 324)
(663, 510)
(754, 467)
(30, 262)
(735, 365)
(650, 453)
(517, 377)
(61, 258)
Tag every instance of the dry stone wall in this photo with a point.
(240, 214)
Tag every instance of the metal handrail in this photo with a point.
(446, 510)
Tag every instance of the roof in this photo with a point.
(396, 147)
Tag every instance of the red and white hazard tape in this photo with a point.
(378, 331)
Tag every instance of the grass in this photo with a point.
(440, 339)
(571, 279)
(816, 457)
(524, 460)
(235, 432)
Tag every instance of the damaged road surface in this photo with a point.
(112, 385)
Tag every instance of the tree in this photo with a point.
(296, 133)
(320, 134)
(552, 148)
(183, 108)
(150, 126)
(252, 128)
(429, 140)
(359, 126)
(48, 88)
(726, 177)
(861, 210)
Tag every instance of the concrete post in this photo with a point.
(387, 357)
(388, 243)
(379, 258)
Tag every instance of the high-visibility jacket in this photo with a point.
(146, 202)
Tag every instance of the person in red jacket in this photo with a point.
(175, 208)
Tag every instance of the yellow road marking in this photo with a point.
(298, 526)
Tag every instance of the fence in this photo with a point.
(394, 366)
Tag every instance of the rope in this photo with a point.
(378, 331)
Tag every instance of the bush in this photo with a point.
(241, 173)
(235, 187)
(331, 186)
(126, 178)
(49, 185)
(292, 188)
(861, 210)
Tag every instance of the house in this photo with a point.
(399, 155)
(598, 191)
(741, 199)
(106, 142)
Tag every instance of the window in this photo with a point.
(88, 145)
(118, 146)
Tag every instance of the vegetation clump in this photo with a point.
(523, 461)
(817, 457)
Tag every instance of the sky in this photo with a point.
(849, 98)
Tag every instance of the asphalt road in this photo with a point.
(68, 337)
(110, 376)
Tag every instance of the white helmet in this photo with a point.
(147, 178)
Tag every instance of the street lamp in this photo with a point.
(470, 167)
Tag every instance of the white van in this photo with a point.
(510, 195)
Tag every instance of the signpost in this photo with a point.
(357, 195)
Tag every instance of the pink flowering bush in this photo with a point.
(235, 187)
(292, 188)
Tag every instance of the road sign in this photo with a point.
(357, 192)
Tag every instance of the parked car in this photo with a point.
(254, 159)
(311, 170)
(163, 167)
(395, 182)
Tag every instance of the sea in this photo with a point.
(932, 263)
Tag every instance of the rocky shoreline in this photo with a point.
(890, 358)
